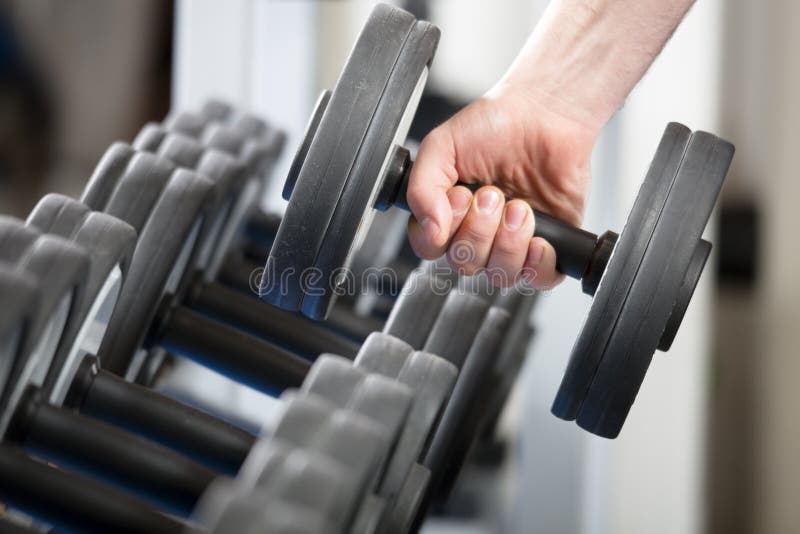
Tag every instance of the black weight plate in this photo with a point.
(630, 248)
(166, 249)
(110, 243)
(356, 204)
(333, 153)
(688, 286)
(656, 285)
(305, 144)
(415, 312)
(20, 289)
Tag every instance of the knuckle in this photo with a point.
(475, 233)
(463, 259)
(507, 247)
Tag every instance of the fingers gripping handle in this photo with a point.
(576, 249)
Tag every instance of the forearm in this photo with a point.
(585, 56)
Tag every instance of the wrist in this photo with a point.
(570, 107)
(550, 111)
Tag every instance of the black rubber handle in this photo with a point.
(236, 274)
(153, 472)
(74, 503)
(207, 439)
(231, 352)
(574, 246)
(289, 330)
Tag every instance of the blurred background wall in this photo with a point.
(73, 77)
(711, 443)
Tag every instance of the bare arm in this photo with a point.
(585, 56)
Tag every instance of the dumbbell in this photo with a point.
(32, 326)
(38, 412)
(79, 504)
(213, 298)
(238, 270)
(53, 317)
(150, 450)
(338, 388)
(47, 417)
(294, 473)
(103, 395)
(641, 280)
(60, 435)
(382, 244)
(111, 243)
(171, 210)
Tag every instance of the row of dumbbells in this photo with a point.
(379, 407)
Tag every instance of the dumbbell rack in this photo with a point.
(368, 435)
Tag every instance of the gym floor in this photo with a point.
(711, 444)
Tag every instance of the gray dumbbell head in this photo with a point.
(132, 198)
(463, 415)
(170, 239)
(301, 476)
(187, 152)
(226, 508)
(257, 156)
(430, 377)
(383, 400)
(228, 175)
(60, 270)
(110, 243)
(247, 124)
(456, 326)
(417, 308)
(355, 441)
(401, 517)
(21, 290)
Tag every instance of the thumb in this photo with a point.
(432, 176)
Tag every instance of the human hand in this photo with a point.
(517, 145)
